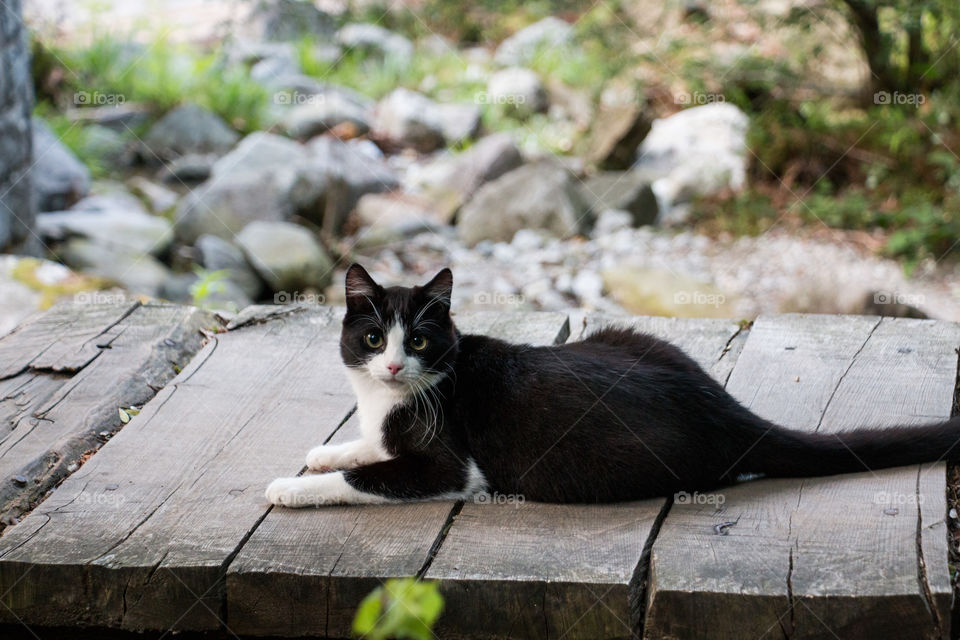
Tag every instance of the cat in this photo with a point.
(618, 416)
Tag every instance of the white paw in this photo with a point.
(324, 458)
(289, 492)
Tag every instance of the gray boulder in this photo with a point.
(410, 119)
(349, 173)
(392, 48)
(459, 122)
(138, 272)
(260, 151)
(225, 204)
(110, 147)
(271, 71)
(521, 47)
(216, 254)
(189, 169)
(451, 180)
(518, 90)
(629, 191)
(286, 256)
(115, 222)
(541, 196)
(59, 178)
(696, 152)
(615, 135)
(287, 21)
(395, 215)
(315, 113)
(157, 197)
(188, 129)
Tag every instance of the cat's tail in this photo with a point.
(780, 452)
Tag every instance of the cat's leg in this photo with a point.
(328, 457)
(405, 478)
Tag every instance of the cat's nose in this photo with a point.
(394, 368)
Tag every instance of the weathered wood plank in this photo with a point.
(561, 570)
(817, 557)
(141, 536)
(315, 566)
(49, 421)
(65, 338)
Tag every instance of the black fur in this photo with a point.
(618, 416)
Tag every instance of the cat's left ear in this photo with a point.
(440, 288)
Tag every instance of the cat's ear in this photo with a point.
(440, 288)
(360, 287)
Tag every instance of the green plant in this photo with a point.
(401, 608)
(207, 284)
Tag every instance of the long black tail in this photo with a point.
(781, 452)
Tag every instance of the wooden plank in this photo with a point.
(304, 572)
(571, 571)
(65, 338)
(141, 536)
(818, 557)
(50, 421)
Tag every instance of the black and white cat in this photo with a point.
(618, 416)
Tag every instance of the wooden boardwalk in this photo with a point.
(162, 524)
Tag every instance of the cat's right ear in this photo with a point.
(360, 287)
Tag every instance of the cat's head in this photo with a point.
(401, 337)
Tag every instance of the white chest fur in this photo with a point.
(374, 403)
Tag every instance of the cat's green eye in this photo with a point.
(374, 340)
(419, 343)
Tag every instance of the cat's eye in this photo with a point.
(419, 343)
(374, 340)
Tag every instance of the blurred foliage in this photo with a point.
(402, 608)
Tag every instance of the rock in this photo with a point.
(518, 89)
(226, 204)
(59, 178)
(286, 256)
(189, 169)
(157, 197)
(349, 173)
(140, 273)
(451, 180)
(629, 191)
(402, 213)
(319, 112)
(697, 152)
(112, 223)
(260, 151)
(116, 117)
(216, 254)
(665, 293)
(188, 129)
(521, 47)
(393, 49)
(287, 21)
(210, 292)
(541, 196)
(108, 146)
(272, 70)
(459, 122)
(611, 221)
(615, 134)
(410, 119)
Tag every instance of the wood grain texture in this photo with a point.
(316, 565)
(50, 420)
(819, 557)
(140, 537)
(574, 571)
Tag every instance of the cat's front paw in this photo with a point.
(289, 492)
(324, 458)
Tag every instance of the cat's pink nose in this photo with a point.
(394, 368)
